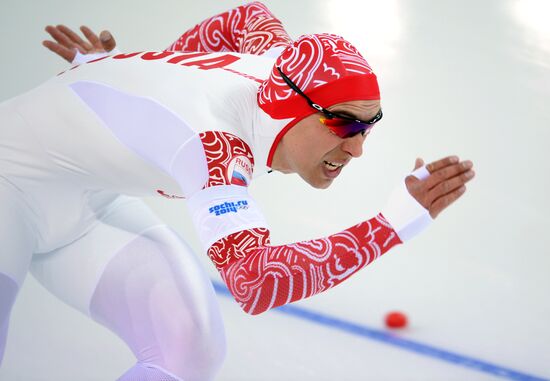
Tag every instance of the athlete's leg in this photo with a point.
(139, 279)
(8, 291)
(162, 307)
(17, 239)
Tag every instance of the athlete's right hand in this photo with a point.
(67, 42)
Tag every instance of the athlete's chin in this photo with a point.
(320, 183)
(317, 179)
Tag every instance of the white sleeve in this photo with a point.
(223, 210)
(407, 217)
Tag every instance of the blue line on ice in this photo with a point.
(392, 339)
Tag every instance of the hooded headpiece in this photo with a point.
(327, 68)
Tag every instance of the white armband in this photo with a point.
(223, 210)
(407, 217)
(80, 58)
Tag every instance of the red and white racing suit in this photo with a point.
(180, 123)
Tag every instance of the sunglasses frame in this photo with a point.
(329, 114)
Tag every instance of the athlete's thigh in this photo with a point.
(156, 298)
(17, 243)
(145, 285)
(17, 234)
(73, 272)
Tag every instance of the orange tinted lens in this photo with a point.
(335, 122)
(344, 128)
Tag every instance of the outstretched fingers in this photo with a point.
(443, 202)
(84, 46)
(92, 37)
(442, 163)
(67, 42)
(419, 162)
(67, 54)
(451, 184)
(447, 172)
(445, 184)
(107, 40)
(59, 37)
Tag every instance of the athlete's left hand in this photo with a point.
(67, 42)
(445, 184)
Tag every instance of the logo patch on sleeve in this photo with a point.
(228, 207)
(239, 171)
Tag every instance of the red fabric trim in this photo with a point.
(278, 139)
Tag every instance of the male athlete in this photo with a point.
(230, 100)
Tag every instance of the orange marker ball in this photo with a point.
(396, 319)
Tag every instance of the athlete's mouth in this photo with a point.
(332, 166)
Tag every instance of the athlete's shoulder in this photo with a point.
(229, 159)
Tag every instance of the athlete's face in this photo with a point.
(312, 151)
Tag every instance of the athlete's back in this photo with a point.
(205, 91)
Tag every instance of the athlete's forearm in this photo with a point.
(262, 277)
(250, 28)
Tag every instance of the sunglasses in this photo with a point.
(341, 125)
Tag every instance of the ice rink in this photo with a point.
(470, 78)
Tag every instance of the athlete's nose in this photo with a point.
(354, 145)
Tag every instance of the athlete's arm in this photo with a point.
(261, 276)
(250, 28)
(232, 229)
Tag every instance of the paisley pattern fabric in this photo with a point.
(250, 28)
(326, 67)
(262, 277)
